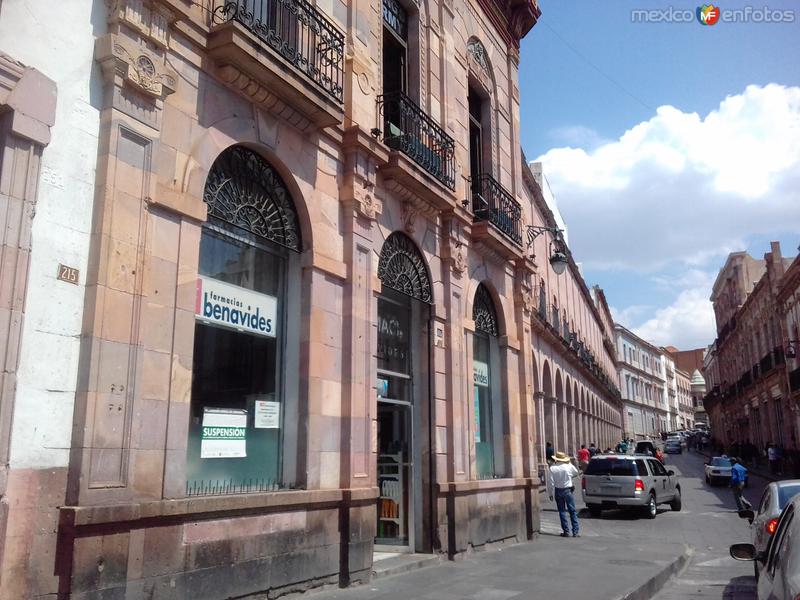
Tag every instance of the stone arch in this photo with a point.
(484, 313)
(402, 267)
(497, 302)
(231, 132)
(245, 191)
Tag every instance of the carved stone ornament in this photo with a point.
(478, 53)
(409, 216)
(135, 66)
(149, 19)
(366, 203)
(459, 260)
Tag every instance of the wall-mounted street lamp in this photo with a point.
(559, 253)
(792, 346)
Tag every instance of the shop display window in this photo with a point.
(235, 429)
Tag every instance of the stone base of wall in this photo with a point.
(258, 546)
(482, 513)
(29, 532)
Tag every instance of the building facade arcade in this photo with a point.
(306, 323)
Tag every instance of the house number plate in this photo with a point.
(68, 274)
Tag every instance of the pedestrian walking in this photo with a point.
(548, 452)
(738, 479)
(583, 458)
(561, 474)
(592, 449)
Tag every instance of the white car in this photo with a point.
(780, 573)
(718, 470)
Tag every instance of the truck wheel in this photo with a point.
(651, 509)
(676, 501)
(594, 510)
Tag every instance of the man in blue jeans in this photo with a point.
(561, 473)
(738, 479)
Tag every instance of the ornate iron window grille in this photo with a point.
(298, 32)
(401, 267)
(408, 129)
(483, 312)
(243, 190)
(491, 202)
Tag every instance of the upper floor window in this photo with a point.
(395, 48)
(476, 162)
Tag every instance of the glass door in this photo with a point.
(395, 524)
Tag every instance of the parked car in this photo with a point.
(673, 446)
(629, 480)
(718, 470)
(645, 446)
(780, 563)
(764, 520)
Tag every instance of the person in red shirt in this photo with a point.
(583, 458)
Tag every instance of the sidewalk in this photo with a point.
(593, 567)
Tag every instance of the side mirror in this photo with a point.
(747, 514)
(743, 551)
(670, 472)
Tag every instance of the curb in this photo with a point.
(652, 586)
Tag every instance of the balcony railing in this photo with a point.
(407, 128)
(491, 202)
(298, 32)
(794, 380)
(766, 363)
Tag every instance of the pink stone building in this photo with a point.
(748, 397)
(319, 308)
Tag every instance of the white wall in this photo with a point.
(56, 38)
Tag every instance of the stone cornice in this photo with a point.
(32, 98)
(512, 19)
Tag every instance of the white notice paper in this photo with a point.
(268, 415)
(224, 433)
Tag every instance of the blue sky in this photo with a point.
(667, 146)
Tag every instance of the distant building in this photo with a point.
(690, 362)
(643, 385)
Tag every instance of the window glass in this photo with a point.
(484, 446)
(720, 462)
(393, 341)
(236, 405)
(641, 466)
(765, 499)
(612, 466)
(786, 493)
(657, 468)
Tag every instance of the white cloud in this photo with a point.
(629, 314)
(679, 187)
(687, 323)
(577, 135)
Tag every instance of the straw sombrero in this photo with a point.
(561, 457)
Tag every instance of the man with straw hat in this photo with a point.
(561, 473)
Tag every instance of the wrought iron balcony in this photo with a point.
(766, 363)
(297, 31)
(491, 202)
(407, 128)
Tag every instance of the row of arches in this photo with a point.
(572, 414)
(249, 198)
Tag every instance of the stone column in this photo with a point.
(28, 497)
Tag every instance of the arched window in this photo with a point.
(488, 407)
(247, 298)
